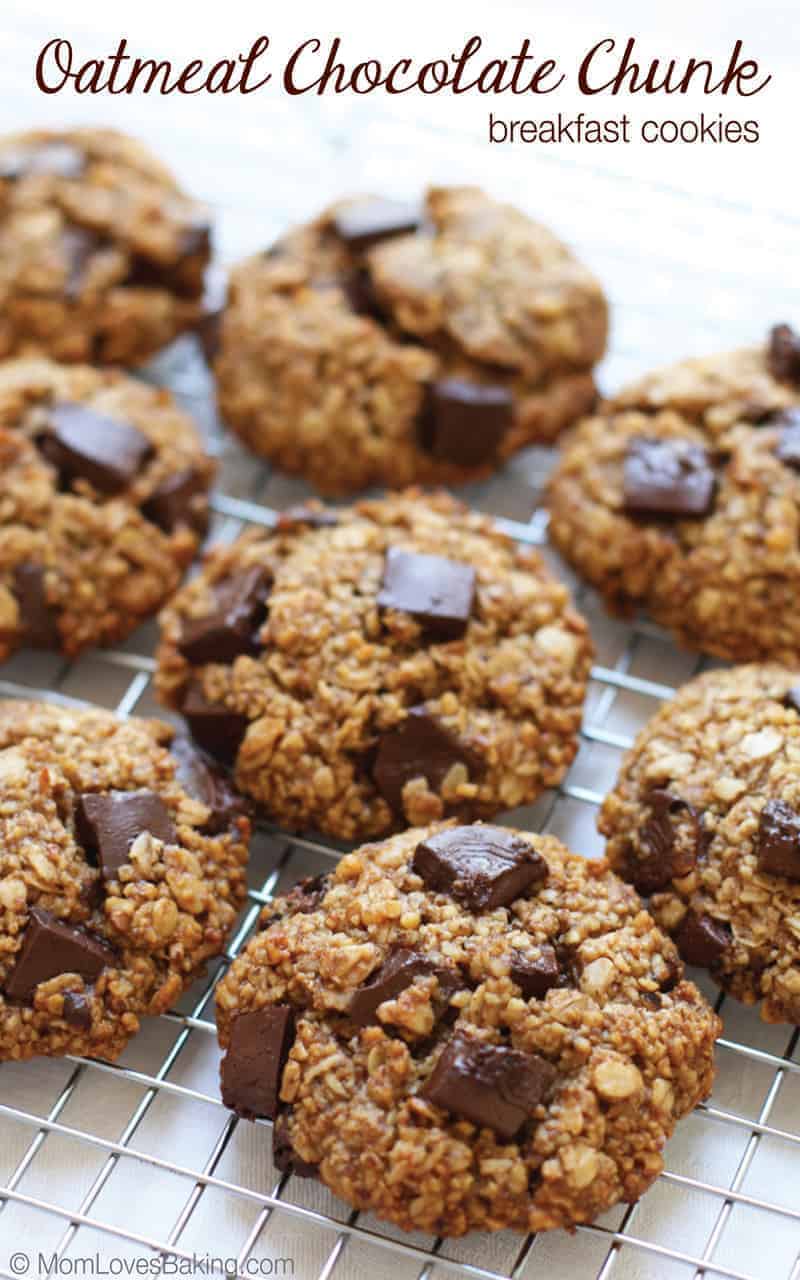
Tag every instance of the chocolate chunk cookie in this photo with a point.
(103, 501)
(395, 662)
(386, 1020)
(101, 255)
(682, 496)
(118, 878)
(388, 343)
(705, 816)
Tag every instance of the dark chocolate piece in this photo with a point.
(483, 867)
(702, 940)
(536, 976)
(107, 824)
(78, 244)
(787, 450)
(778, 840)
(314, 517)
(791, 698)
(183, 275)
(77, 1010)
(56, 159)
(231, 628)
(250, 1073)
(394, 975)
(494, 1087)
(307, 895)
(363, 223)
(437, 592)
(205, 781)
(87, 445)
(667, 478)
(49, 948)
(214, 727)
(464, 422)
(284, 1156)
(209, 333)
(783, 353)
(38, 618)
(665, 855)
(179, 500)
(419, 747)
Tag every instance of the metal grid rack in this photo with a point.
(139, 1157)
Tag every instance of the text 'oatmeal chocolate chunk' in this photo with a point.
(483, 867)
(667, 477)
(250, 1072)
(494, 1087)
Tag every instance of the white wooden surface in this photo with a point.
(698, 250)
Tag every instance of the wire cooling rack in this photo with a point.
(108, 1167)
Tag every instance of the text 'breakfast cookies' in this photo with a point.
(705, 817)
(122, 870)
(103, 502)
(389, 344)
(682, 495)
(101, 254)
(396, 662)
(466, 1028)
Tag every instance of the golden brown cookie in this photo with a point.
(682, 496)
(101, 254)
(466, 1028)
(395, 662)
(388, 344)
(122, 870)
(103, 502)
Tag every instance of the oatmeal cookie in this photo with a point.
(101, 254)
(705, 817)
(122, 869)
(466, 1028)
(389, 344)
(392, 663)
(682, 495)
(103, 502)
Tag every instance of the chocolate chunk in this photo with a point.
(307, 895)
(360, 292)
(536, 975)
(670, 839)
(778, 840)
(182, 275)
(791, 699)
(314, 517)
(77, 246)
(464, 422)
(77, 1010)
(667, 477)
(494, 1087)
(394, 975)
(483, 867)
(37, 618)
(420, 747)
(231, 628)
(787, 450)
(438, 593)
(85, 445)
(783, 353)
(284, 1156)
(56, 159)
(179, 499)
(250, 1074)
(214, 727)
(702, 940)
(205, 781)
(107, 824)
(364, 223)
(49, 948)
(209, 333)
